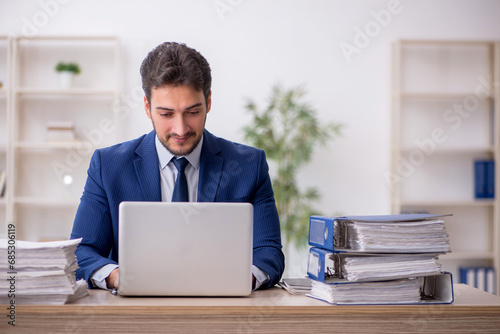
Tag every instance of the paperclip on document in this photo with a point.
(333, 267)
(409, 233)
(436, 289)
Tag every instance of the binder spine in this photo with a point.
(484, 179)
(321, 232)
(323, 264)
(314, 267)
(490, 179)
(479, 179)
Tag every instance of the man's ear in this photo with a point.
(209, 102)
(147, 107)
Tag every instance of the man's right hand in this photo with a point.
(112, 279)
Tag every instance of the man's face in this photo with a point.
(178, 114)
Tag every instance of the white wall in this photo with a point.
(254, 44)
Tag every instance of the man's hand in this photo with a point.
(112, 279)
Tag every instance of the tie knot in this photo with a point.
(180, 164)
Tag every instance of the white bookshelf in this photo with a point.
(445, 116)
(62, 92)
(40, 203)
(53, 202)
(5, 101)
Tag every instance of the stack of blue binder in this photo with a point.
(388, 259)
(482, 278)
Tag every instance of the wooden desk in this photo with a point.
(271, 311)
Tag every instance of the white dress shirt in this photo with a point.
(168, 171)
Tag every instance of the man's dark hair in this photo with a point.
(175, 64)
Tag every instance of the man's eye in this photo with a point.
(194, 112)
(165, 115)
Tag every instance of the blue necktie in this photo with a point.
(181, 193)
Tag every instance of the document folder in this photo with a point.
(437, 289)
(409, 233)
(334, 267)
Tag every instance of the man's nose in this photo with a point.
(180, 125)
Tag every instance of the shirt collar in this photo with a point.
(164, 155)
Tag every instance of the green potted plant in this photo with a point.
(66, 73)
(288, 130)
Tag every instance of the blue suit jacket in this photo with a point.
(129, 171)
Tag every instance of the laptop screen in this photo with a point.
(185, 249)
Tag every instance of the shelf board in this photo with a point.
(47, 201)
(69, 38)
(460, 255)
(441, 96)
(63, 145)
(471, 202)
(440, 43)
(70, 91)
(451, 150)
(49, 145)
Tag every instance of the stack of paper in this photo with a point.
(378, 259)
(403, 291)
(329, 266)
(296, 286)
(408, 237)
(39, 272)
(370, 268)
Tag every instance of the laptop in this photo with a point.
(185, 249)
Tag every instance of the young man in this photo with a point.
(177, 84)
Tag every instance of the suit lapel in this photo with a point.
(210, 168)
(147, 168)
